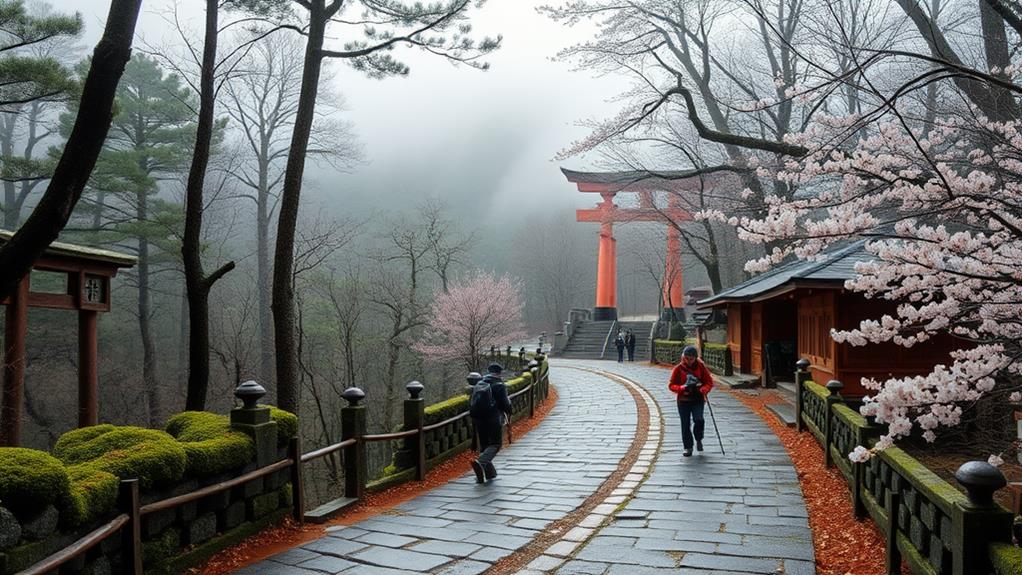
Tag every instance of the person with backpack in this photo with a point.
(489, 406)
(691, 382)
(630, 345)
(619, 343)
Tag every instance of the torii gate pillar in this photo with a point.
(673, 285)
(606, 275)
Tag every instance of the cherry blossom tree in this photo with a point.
(905, 132)
(478, 311)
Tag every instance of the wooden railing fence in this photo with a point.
(927, 522)
(127, 523)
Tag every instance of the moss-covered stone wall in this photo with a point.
(49, 500)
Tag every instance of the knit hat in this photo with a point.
(494, 368)
(690, 350)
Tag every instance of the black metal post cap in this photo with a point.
(834, 386)
(353, 395)
(980, 480)
(802, 364)
(249, 393)
(414, 389)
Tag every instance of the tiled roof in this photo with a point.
(833, 268)
(81, 252)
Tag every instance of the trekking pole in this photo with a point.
(714, 420)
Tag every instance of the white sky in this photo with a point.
(484, 141)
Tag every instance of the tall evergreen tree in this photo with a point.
(33, 79)
(149, 142)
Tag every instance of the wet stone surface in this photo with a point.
(702, 515)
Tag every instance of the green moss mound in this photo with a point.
(88, 443)
(30, 480)
(287, 424)
(93, 492)
(1006, 558)
(151, 456)
(210, 446)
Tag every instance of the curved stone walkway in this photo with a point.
(707, 515)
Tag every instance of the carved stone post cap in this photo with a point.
(834, 386)
(249, 393)
(414, 389)
(473, 378)
(353, 395)
(980, 480)
(802, 364)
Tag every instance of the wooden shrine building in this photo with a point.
(67, 277)
(788, 312)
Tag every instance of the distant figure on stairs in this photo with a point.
(630, 344)
(619, 343)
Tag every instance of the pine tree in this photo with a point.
(149, 142)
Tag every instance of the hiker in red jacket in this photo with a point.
(690, 382)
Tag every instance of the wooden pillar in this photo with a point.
(88, 373)
(606, 275)
(15, 330)
(673, 289)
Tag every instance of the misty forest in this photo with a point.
(321, 195)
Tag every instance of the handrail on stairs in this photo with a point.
(607, 341)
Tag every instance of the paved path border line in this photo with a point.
(553, 548)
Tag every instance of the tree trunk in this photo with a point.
(145, 328)
(283, 262)
(196, 282)
(995, 46)
(263, 273)
(81, 150)
(11, 208)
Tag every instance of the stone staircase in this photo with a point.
(588, 340)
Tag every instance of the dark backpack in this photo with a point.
(480, 403)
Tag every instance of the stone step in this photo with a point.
(785, 412)
(328, 510)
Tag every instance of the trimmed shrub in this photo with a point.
(287, 424)
(93, 492)
(211, 447)
(30, 480)
(152, 456)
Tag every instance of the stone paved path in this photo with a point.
(706, 515)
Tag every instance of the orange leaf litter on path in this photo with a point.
(289, 534)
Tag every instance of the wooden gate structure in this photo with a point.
(82, 277)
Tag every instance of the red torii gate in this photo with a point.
(609, 184)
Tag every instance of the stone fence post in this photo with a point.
(834, 387)
(802, 375)
(534, 370)
(254, 420)
(980, 521)
(353, 426)
(415, 410)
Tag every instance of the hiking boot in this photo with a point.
(687, 452)
(699, 445)
(478, 469)
(491, 471)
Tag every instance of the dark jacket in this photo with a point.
(619, 342)
(499, 390)
(630, 341)
(680, 374)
